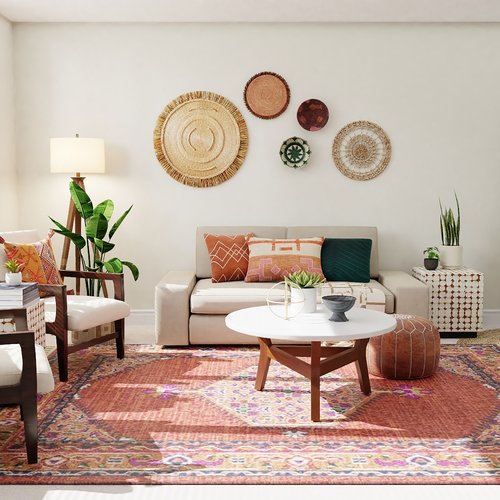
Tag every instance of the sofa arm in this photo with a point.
(172, 308)
(410, 295)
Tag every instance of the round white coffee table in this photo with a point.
(313, 328)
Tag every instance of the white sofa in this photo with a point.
(190, 309)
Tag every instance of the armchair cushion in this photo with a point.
(87, 312)
(38, 258)
(11, 365)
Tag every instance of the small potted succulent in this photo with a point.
(431, 258)
(307, 282)
(13, 276)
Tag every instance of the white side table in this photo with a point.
(456, 300)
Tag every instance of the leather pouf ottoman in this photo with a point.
(410, 351)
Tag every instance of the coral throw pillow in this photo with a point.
(273, 259)
(38, 258)
(228, 256)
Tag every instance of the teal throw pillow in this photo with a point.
(346, 259)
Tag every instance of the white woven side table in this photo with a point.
(456, 300)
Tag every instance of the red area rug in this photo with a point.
(192, 416)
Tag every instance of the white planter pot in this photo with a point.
(309, 296)
(451, 257)
(13, 279)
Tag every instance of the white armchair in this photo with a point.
(24, 372)
(69, 313)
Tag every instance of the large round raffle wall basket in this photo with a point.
(201, 139)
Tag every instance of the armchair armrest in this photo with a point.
(61, 320)
(410, 295)
(117, 279)
(172, 308)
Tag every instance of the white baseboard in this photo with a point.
(491, 319)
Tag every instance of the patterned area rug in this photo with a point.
(484, 337)
(192, 416)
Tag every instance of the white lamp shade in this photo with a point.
(77, 154)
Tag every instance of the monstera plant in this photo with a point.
(96, 244)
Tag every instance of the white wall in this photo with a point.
(433, 88)
(8, 186)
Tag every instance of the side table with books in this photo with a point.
(22, 309)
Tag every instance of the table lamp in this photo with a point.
(76, 155)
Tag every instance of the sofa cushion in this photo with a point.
(341, 232)
(346, 259)
(273, 259)
(228, 256)
(223, 298)
(203, 269)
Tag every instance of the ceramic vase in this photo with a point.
(309, 296)
(13, 279)
(451, 257)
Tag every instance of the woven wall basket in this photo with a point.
(201, 139)
(361, 150)
(266, 95)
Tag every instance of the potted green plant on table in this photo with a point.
(431, 258)
(97, 242)
(307, 282)
(13, 276)
(451, 252)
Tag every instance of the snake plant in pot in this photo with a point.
(451, 252)
(96, 244)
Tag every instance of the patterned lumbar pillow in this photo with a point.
(346, 259)
(228, 256)
(38, 258)
(273, 259)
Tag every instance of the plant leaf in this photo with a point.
(81, 200)
(116, 225)
(96, 227)
(105, 208)
(133, 269)
(114, 265)
(103, 246)
(77, 239)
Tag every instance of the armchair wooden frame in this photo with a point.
(59, 327)
(24, 393)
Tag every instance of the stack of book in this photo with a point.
(23, 295)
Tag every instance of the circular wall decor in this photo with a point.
(266, 95)
(313, 115)
(361, 150)
(295, 152)
(201, 139)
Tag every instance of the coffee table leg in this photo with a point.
(361, 366)
(264, 361)
(315, 378)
